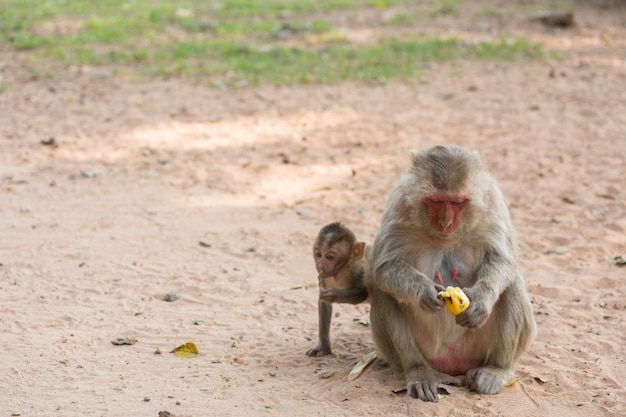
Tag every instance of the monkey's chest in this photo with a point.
(448, 268)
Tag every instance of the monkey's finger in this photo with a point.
(431, 300)
(431, 390)
(452, 380)
(439, 288)
(470, 292)
(411, 390)
(462, 319)
(319, 352)
(474, 318)
(465, 319)
(422, 391)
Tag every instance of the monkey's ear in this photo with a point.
(358, 249)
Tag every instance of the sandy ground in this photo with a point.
(217, 195)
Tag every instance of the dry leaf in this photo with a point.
(188, 350)
(49, 142)
(561, 250)
(360, 367)
(322, 189)
(328, 374)
(600, 211)
(512, 382)
(281, 289)
(399, 389)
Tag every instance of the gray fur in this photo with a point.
(342, 280)
(410, 329)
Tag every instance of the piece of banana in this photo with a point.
(455, 300)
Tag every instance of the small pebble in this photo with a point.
(171, 296)
(124, 341)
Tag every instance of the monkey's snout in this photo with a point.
(445, 223)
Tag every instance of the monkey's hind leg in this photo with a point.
(395, 344)
(514, 331)
(488, 379)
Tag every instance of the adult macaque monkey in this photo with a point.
(446, 223)
(344, 268)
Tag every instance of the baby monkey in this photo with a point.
(343, 265)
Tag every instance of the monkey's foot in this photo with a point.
(487, 380)
(424, 383)
(319, 350)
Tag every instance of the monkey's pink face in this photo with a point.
(445, 212)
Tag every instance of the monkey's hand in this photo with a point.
(320, 350)
(424, 383)
(429, 297)
(477, 313)
(329, 295)
(350, 295)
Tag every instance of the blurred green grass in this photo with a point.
(235, 42)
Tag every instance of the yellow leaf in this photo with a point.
(188, 350)
(326, 188)
(362, 365)
(512, 382)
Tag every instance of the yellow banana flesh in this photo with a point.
(455, 300)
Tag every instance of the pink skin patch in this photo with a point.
(452, 364)
(454, 274)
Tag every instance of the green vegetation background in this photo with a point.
(240, 42)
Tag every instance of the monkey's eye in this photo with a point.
(330, 257)
(458, 202)
(318, 254)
